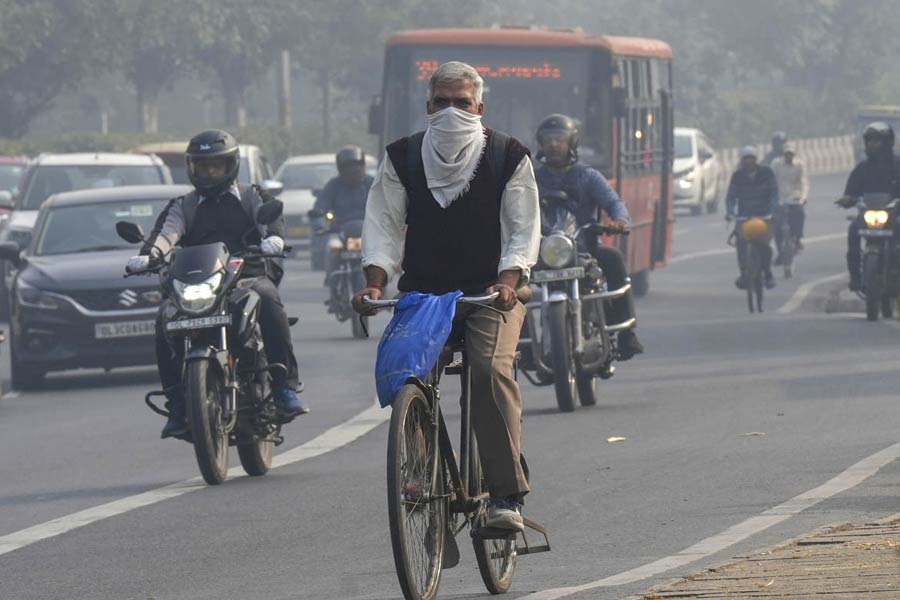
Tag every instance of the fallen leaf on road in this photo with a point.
(613, 440)
(753, 434)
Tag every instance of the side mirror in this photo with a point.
(269, 212)
(10, 251)
(6, 200)
(272, 186)
(376, 116)
(130, 232)
(619, 97)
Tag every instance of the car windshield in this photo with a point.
(9, 177)
(684, 146)
(53, 179)
(92, 227)
(306, 177)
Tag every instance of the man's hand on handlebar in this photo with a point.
(846, 201)
(617, 227)
(372, 293)
(506, 299)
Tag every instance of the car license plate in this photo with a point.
(545, 275)
(199, 323)
(124, 329)
(876, 232)
(351, 255)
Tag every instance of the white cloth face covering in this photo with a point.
(451, 150)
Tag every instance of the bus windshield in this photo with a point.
(522, 86)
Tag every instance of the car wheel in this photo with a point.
(23, 376)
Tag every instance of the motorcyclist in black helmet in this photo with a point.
(221, 210)
(878, 173)
(779, 139)
(559, 169)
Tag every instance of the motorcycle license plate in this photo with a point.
(351, 255)
(199, 323)
(876, 232)
(123, 329)
(557, 274)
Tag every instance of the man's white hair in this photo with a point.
(456, 71)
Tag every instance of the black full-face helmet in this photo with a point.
(879, 130)
(208, 145)
(559, 124)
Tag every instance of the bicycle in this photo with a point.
(789, 243)
(752, 271)
(432, 497)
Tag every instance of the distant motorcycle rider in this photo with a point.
(752, 192)
(345, 196)
(222, 210)
(878, 173)
(779, 139)
(559, 169)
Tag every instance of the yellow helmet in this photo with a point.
(754, 229)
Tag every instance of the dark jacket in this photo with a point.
(590, 190)
(876, 175)
(345, 200)
(753, 195)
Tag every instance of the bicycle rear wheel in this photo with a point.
(751, 274)
(497, 558)
(417, 505)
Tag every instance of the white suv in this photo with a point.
(698, 172)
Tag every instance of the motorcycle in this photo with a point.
(345, 275)
(881, 257)
(226, 376)
(569, 345)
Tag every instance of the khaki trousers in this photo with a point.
(491, 340)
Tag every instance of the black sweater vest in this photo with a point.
(458, 247)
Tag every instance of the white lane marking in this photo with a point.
(730, 250)
(846, 480)
(10, 395)
(803, 291)
(332, 439)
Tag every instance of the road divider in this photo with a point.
(332, 439)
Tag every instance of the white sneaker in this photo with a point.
(503, 513)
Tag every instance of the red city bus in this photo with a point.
(618, 88)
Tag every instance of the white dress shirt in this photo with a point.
(793, 183)
(520, 221)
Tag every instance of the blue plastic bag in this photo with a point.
(413, 340)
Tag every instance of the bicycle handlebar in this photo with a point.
(461, 300)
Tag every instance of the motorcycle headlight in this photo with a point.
(876, 219)
(198, 297)
(334, 245)
(557, 251)
(354, 243)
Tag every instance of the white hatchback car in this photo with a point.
(699, 175)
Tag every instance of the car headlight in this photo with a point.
(686, 180)
(876, 219)
(557, 251)
(197, 297)
(32, 297)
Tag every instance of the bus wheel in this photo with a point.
(640, 282)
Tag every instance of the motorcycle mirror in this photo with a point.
(269, 212)
(130, 232)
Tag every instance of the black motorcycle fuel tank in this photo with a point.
(195, 264)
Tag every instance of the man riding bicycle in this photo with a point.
(752, 192)
(793, 190)
(471, 226)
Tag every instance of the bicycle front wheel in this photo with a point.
(417, 504)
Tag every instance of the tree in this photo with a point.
(45, 46)
(239, 41)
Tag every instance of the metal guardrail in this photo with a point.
(822, 156)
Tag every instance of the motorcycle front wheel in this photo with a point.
(561, 348)
(871, 280)
(205, 405)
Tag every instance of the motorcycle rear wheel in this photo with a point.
(204, 398)
(256, 457)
